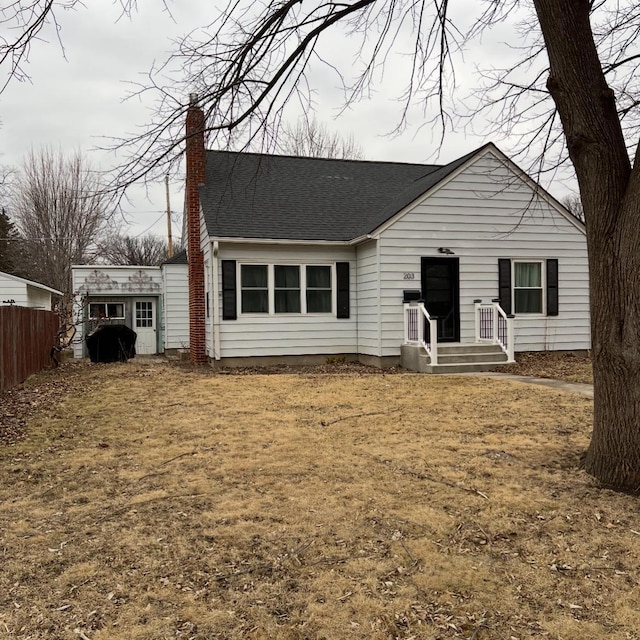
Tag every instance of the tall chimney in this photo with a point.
(195, 156)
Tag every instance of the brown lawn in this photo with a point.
(150, 502)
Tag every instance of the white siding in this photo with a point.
(11, 289)
(282, 335)
(368, 299)
(38, 298)
(483, 214)
(23, 293)
(175, 295)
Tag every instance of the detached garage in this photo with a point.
(130, 296)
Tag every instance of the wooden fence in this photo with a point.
(26, 339)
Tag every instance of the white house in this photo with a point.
(153, 301)
(305, 258)
(25, 293)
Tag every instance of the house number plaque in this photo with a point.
(409, 276)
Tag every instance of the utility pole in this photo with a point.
(169, 237)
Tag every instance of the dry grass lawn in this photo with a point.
(153, 503)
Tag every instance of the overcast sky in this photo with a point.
(76, 97)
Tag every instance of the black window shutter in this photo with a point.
(504, 283)
(342, 276)
(229, 306)
(552, 287)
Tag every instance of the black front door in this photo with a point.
(440, 291)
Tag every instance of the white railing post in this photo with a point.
(496, 319)
(406, 322)
(476, 304)
(420, 321)
(433, 340)
(511, 347)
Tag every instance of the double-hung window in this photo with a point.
(286, 288)
(254, 287)
(318, 289)
(528, 287)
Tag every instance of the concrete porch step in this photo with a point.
(453, 358)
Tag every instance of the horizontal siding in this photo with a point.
(38, 298)
(482, 215)
(288, 334)
(368, 298)
(11, 289)
(176, 306)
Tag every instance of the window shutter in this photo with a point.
(229, 300)
(504, 284)
(552, 287)
(342, 288)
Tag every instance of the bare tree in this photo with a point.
(61, 211)
(574, 206)
(577, 84)
(145, 251)
(313, 139)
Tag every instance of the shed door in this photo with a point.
(440, 291)
(145, 325)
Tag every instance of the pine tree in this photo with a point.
(10, 241)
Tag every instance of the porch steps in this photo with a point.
(453, 358)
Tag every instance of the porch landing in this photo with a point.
(456, 357)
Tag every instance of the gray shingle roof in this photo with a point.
(179, 257)
(251, 195)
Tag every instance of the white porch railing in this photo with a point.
(495, 326)
(415, 315)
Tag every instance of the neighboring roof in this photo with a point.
(179, 258)
(31, 283)
(252, 195)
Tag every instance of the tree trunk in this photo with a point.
(610, 193)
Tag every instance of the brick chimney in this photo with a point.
(195, 156)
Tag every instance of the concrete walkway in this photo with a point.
(576, 387)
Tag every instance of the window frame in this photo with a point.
(105, 305)
(542, 288)
(299, 289)
(302, 266)
(241, 288)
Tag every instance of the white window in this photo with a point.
(286, 288)
(254, 288)
(318, 289)
(144, 314)
(106, 310)
(528, 287)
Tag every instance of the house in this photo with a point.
(310, 257)
(299, 259)
(25, 293)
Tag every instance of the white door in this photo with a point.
(145, 325)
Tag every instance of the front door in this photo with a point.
(440, 292)
(145, 325)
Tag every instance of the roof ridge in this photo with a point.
(319, 158)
